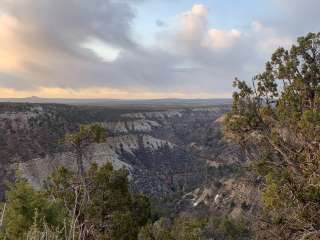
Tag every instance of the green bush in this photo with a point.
(24, 204)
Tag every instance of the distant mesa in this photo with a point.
(112, 102)
(33, 98)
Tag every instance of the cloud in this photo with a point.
(82, 48)
(98, 92)
(49, 42)
(267, 39)
(296, 17)
(160, 23)
(63, 23)
(44, 39)
(219, 39)
(192, 25)
(11, 47)
(199, 10)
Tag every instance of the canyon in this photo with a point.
(174, 154)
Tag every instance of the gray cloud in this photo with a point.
(61, 23)
(160, 23)
(296, 17)
(190, 57)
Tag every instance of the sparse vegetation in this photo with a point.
(194, 228)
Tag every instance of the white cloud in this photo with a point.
(192, 25)
(199, 10)
(103, 50)
(267, 39)
(193, 32)
(221, 39)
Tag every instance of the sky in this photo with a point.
(142, 49)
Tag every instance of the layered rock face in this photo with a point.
(168, 152)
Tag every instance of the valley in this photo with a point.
(174, 155)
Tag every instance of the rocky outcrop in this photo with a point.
(130, 126)
(37, 170)
(174, 152)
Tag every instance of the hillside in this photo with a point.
(170, 153)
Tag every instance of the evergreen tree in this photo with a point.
(277, 121)
(25, 206)
(65, 209)
(79, 142)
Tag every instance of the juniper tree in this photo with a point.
(79, 142)
(277, 121)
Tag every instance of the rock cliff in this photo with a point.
(168, 152)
